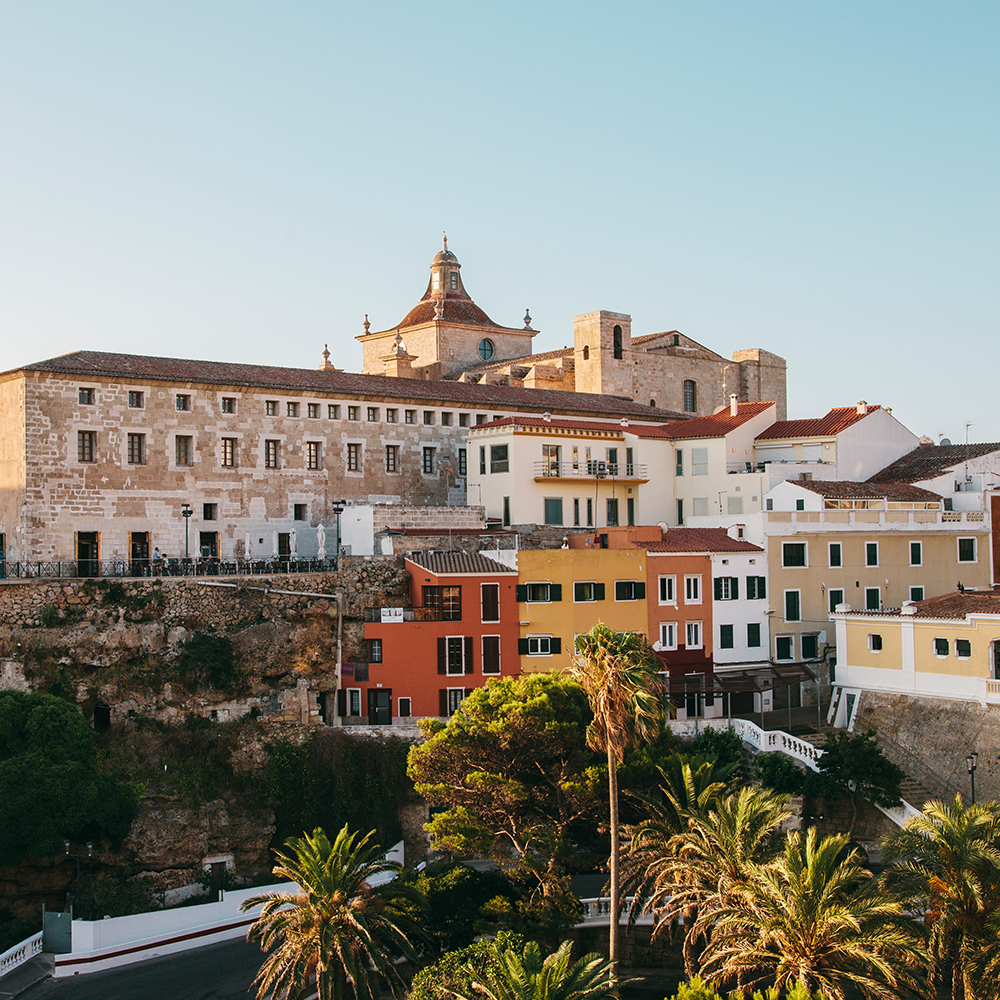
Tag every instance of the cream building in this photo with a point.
(944, 647)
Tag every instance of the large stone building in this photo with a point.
(446, 335)
(99, 452)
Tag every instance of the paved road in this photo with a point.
(218, 972)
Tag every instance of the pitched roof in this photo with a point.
(837, 420)
(700, 540)
(99, 364)
(928, 461)
(445, 563)
(639, 430)
(956, 605)
(717, 424)
(834, 490)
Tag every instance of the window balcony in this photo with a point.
(619, 471)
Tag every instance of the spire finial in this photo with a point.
(366, 324)
(527, 320)
(444, 241)
(326, 354)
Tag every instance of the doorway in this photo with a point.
(208, 544)
(138, 553)
(87, 554)
(380, 706)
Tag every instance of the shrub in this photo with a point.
(722, 746)
(459, 970)
(779, 773)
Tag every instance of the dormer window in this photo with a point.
(454, 281)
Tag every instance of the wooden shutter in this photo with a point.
(640, 591)
(555, 591)
(598, 591)
(469, 664)
(734, 594)
(555, 646)
(751, 588)
(718, 588)
(443, 701)
(469, 691)
(341, 703)
(442, 655)
(762, 586)
(522, 647)
(521, 593)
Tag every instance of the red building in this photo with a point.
(460, 629)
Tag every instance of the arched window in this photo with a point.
(995, 658)
(690, 396)
(652, 402)
(618, 342)
(586, 352)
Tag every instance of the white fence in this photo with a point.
(773, 740)
(20, 953)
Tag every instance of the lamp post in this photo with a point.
(90, 850)
(338, 509)
(186, 513)
(970, 762)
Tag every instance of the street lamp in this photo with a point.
(970, 762)
(90, 849)
(186, 513)
(338, 509)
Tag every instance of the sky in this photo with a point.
(245, 181)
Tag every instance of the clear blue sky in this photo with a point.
(245, 180)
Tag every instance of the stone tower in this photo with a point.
(602, 353)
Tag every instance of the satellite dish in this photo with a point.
(662, 525)
(945, 442)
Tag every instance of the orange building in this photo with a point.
(459, 631)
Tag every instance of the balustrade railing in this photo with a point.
(20, 953)
(138, 568)
(589, 470)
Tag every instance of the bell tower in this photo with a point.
(602, 353)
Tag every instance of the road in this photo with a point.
(218, 972)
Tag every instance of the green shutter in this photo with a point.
(598, 591)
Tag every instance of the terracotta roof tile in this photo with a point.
(443, 563)
(928, 461)
(834, 490)
(956, 605)
(302, 381)
(700, 540)
(525, 361)
(639, 430)
(455, 311)
(837, 420)
(717, 424)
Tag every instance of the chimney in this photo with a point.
(734, 404)
(862, 407)
(547, 417)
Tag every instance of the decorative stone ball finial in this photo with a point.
(366, 324)
(326, 354)
(439, 307)
(527, 320)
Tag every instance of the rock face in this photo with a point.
(171, 835)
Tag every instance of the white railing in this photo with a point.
(589, 470)
(20, 953)
(774, 740)
(597, 910)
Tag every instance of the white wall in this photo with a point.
(741, 612)
(870, 444)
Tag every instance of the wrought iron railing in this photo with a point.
(138, 568)
(411, 615)
(589, 470)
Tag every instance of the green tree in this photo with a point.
(815, 916)
(456, 972)
(779, 772)
(513, 770)
(50, 784)
(854, 765)
(346, 925)
(620, 675)
(696, 872)
(511, 975)
(698, 989)
(948, 865)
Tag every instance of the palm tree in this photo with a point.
(815, 916)
(620, 675)
(344, 926)
(510, 976)
(696, 871)
(949, 865)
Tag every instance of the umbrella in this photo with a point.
(321, 542)
(293, 543)
(246, 546)
(274, 543)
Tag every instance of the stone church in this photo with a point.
(447, 336)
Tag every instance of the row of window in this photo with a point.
(455, 655)
(584, 591)
(699, 461)
(553, 511)
(373, 414)
(796, 554)
(784, 646)
(692, 635)
(942, 648)
(184, 451)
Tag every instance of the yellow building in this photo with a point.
(562, 593)
(944, 647)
